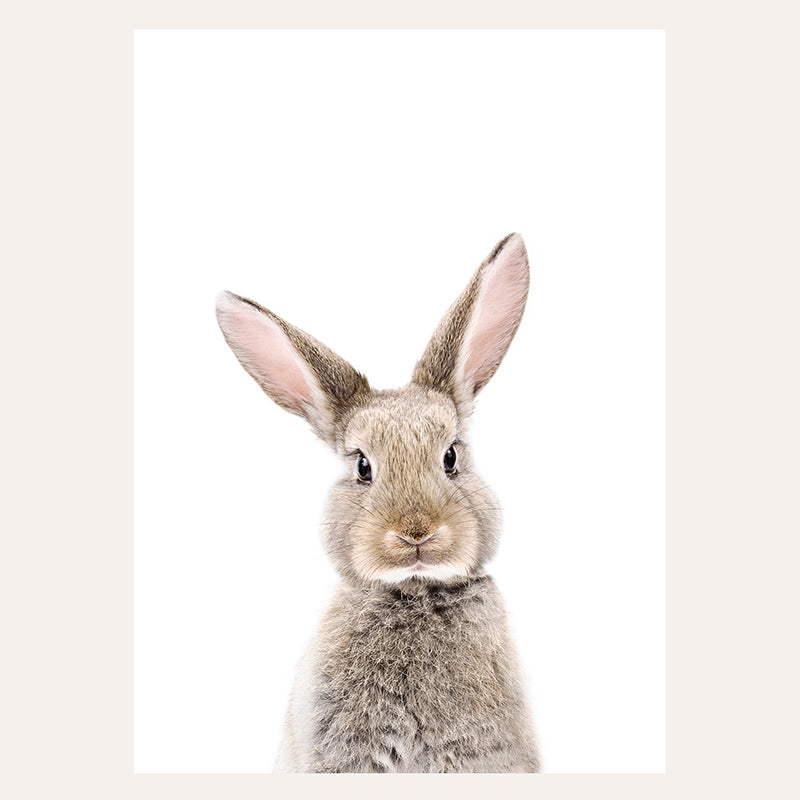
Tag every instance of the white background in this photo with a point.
(351, 181)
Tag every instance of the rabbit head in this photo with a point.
(410, 507)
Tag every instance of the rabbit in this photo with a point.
(412, 668)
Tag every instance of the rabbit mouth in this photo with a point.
(418, 555)
(417, 560)
(422, 556)
(421, 560)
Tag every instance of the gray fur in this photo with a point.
(412, 668)
(421, 679)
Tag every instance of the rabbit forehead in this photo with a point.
(410, 416)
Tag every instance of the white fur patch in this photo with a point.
(434, 572)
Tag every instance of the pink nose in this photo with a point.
(416, 528)
(416, 540)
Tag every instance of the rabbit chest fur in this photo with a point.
(415, 680)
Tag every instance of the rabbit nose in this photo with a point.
(416, 540)
(416, 529)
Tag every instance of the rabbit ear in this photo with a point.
(298, 372)
(475, 333)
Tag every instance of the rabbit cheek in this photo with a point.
(369, 556)
(459, 548)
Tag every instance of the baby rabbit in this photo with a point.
(412, 668)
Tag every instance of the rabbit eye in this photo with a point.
(450, 459)
(363, 469)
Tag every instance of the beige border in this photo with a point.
(66, 558)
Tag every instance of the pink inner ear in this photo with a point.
(267, 354)
(499, 308)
